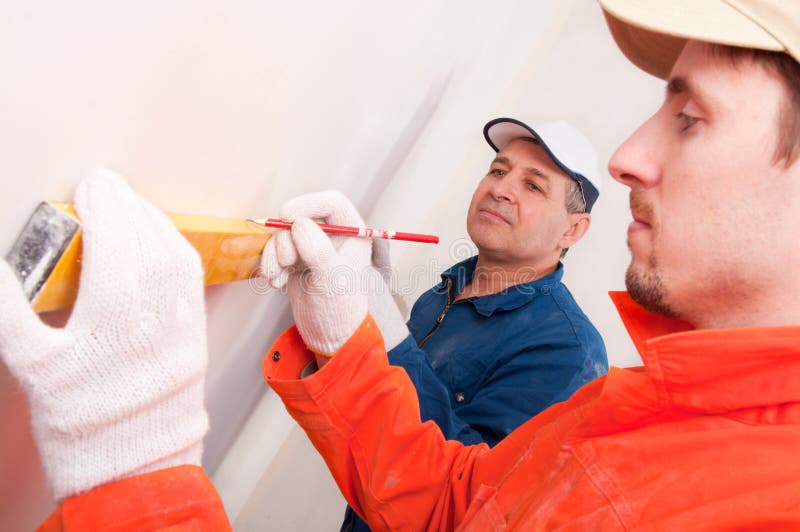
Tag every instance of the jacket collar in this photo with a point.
(714, 370)
(509, 299)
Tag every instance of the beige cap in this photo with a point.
(651, 33)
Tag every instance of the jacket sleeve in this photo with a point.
(176, 499)
(363, 416)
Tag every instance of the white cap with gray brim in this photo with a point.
(566, 146)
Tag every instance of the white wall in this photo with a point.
(229, 108)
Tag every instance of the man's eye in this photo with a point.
(685, 120)
(497, 172)
(532, 187)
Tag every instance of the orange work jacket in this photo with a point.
(704, 438)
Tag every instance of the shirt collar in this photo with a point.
(509, 299)
(714, 370)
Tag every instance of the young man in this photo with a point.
(703, 437)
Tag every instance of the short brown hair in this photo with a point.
(788, 70)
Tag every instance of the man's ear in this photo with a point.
(579, 223)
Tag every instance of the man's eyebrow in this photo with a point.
(532, 170)
(501, 159)
(677, 85)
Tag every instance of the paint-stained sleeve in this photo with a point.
(399, 473)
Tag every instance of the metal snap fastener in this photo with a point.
(276, 356)
(459, 397)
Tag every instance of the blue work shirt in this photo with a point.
(482, 366)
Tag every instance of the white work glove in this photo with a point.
(327, 306)
(119, 390)
(280, 257)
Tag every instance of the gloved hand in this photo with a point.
(119, 390)
(280, 258)
(326, 302)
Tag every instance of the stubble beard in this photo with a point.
(646, 287)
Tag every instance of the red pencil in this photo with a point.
(366, 232)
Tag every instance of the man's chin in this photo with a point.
(647, 288)
(485, 238)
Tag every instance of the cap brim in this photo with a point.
(501, 131)
(652, 34)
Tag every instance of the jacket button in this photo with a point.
(459, 397)
(276, 356)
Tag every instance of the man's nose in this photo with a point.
(637, 162)
(502, 189)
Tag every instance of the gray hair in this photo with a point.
(575, 203)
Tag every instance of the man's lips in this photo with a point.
(493, 215)
(641, 211)
(639, 223)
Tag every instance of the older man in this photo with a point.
(703, 437)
